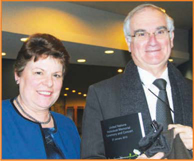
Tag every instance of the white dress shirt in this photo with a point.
(147, 82)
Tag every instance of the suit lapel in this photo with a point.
(133, 98)
(176, 85)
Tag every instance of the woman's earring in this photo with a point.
(17, 82)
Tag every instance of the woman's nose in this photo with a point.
(48, 81)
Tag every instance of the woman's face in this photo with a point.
(40, 83)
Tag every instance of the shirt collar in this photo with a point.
(147, 78)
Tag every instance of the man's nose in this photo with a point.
(152, 40)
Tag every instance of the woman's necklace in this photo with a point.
(49, 119)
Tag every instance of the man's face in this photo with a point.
(152, 52)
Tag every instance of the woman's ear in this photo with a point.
(17, 78)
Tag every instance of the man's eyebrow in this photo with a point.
(139, 30)
(142, 30)
(161, 27)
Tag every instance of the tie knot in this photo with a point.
(160, 83)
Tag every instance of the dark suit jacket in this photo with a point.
(122, 95)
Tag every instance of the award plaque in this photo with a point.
(121, 136)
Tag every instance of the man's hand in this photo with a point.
(186, 134)
(158, 155)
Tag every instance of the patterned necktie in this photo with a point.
(163, 114)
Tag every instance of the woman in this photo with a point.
(29, 129)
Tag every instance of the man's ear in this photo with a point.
(172, 39)
(128, 43)
(17, 78)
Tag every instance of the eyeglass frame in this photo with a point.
(148, 33)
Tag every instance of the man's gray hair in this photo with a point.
(126, 27)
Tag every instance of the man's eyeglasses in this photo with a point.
(144, 35)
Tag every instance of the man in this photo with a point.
(149, 35)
